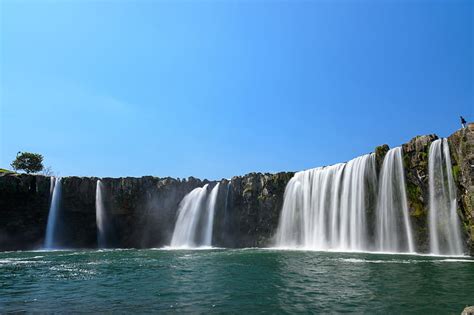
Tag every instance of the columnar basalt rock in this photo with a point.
(24, 206)
(254, 208)
(142, 211)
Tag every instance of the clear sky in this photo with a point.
(214, 89)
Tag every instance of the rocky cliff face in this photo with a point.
(249, 214)
(415, 156)
(24, 205)
(462, 151)
(142, 211)
(415, 160)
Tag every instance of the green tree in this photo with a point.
(28, 162)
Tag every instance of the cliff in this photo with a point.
(462, 151)
(142, 211)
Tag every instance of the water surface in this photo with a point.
(219, 280)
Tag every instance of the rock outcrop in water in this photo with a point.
(469, 310)
(142, 212)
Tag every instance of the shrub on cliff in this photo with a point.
(4, 171)
(28, 162)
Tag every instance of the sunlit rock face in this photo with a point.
(461, 144)
(142, 212)
(415, 160)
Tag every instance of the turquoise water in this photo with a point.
(244, 281)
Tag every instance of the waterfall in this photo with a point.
(211, 206)
(444, 225)
(100, 215)
(393, 229)
(51, 228)
(325, 208)
(194, 225)
(51, 186)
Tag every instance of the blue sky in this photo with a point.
(214, 89)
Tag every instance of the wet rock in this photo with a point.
(415, 160)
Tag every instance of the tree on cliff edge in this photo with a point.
(28, 162)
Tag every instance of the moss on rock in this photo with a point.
(456, 170)
(380, 153)
(415, 200)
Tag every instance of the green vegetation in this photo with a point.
(456, 171)
(28, 162)
(418, 210)
(423, 158)
(381, 150)
(380, 153)
(414, 199)
(406, 160)
(5, 171)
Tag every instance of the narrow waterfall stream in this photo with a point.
(444, 225)
(393, 228)
(195, 221)
(211, 207)
(100, 216)
(52, 226)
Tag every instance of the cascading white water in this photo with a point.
(51, 185)
(444, 225)
(194, 225)
(100, 215)
(51, 228)
(325, 208)
(211, 207)
(189, 211)
(393, 228)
